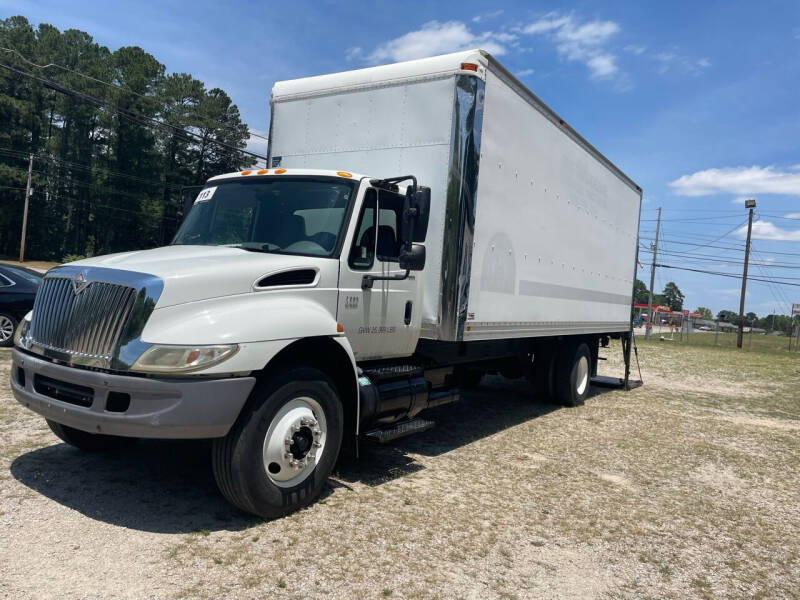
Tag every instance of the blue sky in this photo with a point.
(699, 102)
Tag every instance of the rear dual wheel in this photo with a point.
(573, 374)
(562, 374)
(283, 447)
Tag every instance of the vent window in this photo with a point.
(296, 277)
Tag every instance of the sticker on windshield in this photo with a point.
(205, 195)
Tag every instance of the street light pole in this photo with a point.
(751, 204)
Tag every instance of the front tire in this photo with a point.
(283, 447)
(8, 325)
(573, 374)
(89, 442)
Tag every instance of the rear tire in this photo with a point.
(282, 449)
(542, 374)
(89, 442)
(573, 374)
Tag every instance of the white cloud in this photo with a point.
(489, 15)
(580, 42)
(739, 200)
(738, 180)
(438, 38)
(525, 72)
(635, 49)
(792, 216)
(765, 230)
(672, 61)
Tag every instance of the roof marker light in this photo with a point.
(262, 171)
(344, 174)
(245, 172)
(469, 67)
(280, 171)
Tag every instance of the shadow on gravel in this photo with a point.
(495, 405)
(156, 485)
(168, 487)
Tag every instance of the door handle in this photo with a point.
(407, 318)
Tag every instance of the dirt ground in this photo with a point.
(684, 488)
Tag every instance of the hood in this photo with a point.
(192, 273)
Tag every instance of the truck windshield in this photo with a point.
(281, 215)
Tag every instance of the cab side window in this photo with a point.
(389, 223)
(362, 254)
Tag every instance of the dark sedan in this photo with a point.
(18, 287)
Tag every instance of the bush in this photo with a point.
(72, 257)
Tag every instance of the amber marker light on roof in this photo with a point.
(469, 67)
(246, 172)
(280, 171)
(344, 174)
(262, 172)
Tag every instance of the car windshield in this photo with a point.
(282, 215)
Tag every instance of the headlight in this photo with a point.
(181, 359)
(21, 334)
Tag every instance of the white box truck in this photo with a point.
(419, 225)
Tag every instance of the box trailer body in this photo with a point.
(416, 226)
(532, 231)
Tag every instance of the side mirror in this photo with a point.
(416, 210)
(413, 259)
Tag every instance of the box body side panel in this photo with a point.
(555, 229)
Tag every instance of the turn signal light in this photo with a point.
(339, 328)
(469, 67)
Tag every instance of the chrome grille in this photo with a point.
(88, 323)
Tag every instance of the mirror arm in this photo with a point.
(368, 280)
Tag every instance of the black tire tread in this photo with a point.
(224, 449)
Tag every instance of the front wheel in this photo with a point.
(7, 326)
(282, 449)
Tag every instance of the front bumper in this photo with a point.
(158, 408)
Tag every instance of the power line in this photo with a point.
(731, 275)
(139, 119)
(112, 85)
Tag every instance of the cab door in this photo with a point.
(382, 321)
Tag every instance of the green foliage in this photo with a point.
(640, 291)
(673, 297)
(72, 258)
(103, 182)
(704, 312)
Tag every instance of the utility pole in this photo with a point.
(25, 211)
(648, 331)
(751, 204)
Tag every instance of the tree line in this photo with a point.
(673, 298)
(117, 143)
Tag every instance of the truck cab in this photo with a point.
(281, 275)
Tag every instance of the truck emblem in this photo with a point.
(79, 283)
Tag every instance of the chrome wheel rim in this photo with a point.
(295, 441)
(6, 328)
(582, 375)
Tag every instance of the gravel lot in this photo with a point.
(687, 487)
